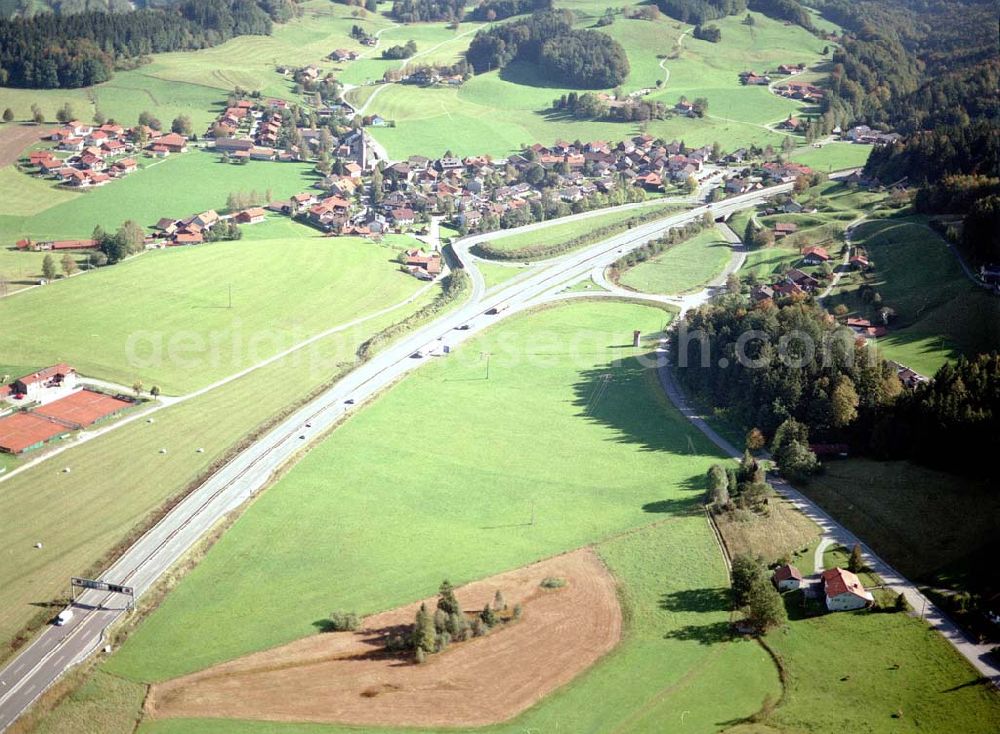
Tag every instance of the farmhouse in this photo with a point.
(253, 215)
(173, 142)
(843, 591)
(787, 578)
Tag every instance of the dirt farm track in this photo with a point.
(342, 677)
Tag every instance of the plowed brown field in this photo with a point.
(343, 677)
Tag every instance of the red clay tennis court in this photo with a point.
(82, 408)
(22, 431)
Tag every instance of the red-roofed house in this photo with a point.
(815, 255)
(844, 591)
(173, 142)
(41, 384)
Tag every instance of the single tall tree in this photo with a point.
(48, 268)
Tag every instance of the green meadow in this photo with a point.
(832, 156)
(682, 268)
(178, 186)
(119, 480)
(465, 509)
(165, 316)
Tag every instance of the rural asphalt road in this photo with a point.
(56, 649)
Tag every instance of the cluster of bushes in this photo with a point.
(401, 51)
(744, 487)
(710, 33)
(452, 287)
(432, 633)
(589, 106)
(538, 252)
(579, 58)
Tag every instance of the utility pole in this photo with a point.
(487, 355)
(230, 295)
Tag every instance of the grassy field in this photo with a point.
(173, 187)
(470, 119)
(465, 508)
(858, 671)
(832, 156)
(495, 274)
(782, 531)
(940, 314)
(169, 322)
(120, 479)
(570, 229)
(769, 261)
(920, 520)
(684, 267)
(20, 270)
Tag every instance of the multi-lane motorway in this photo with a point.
(58, 648)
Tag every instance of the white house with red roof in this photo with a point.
(45, 385)
(844, 591)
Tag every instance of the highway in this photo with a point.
(56, 649)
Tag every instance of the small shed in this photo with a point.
(787, 577)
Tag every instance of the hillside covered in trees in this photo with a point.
(74, 50)
(578, 58)
(501, 9)
(796, 375)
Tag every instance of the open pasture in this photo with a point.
(493, 495)
(170, 321)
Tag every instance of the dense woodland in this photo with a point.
(699, 12)
(501, 9)
(834, 391)
(578, 58)
(51, 51)
(416, 11)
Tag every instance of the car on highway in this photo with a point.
(463, 327)
(63, 617)
(498, 309)
(349, 401)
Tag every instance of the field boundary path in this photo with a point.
(57, 649)
(977, 654)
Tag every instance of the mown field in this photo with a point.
(118, 480)
(684, 267)
(463, 494)
(164, 317)
(940, 313)
(832, 156)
